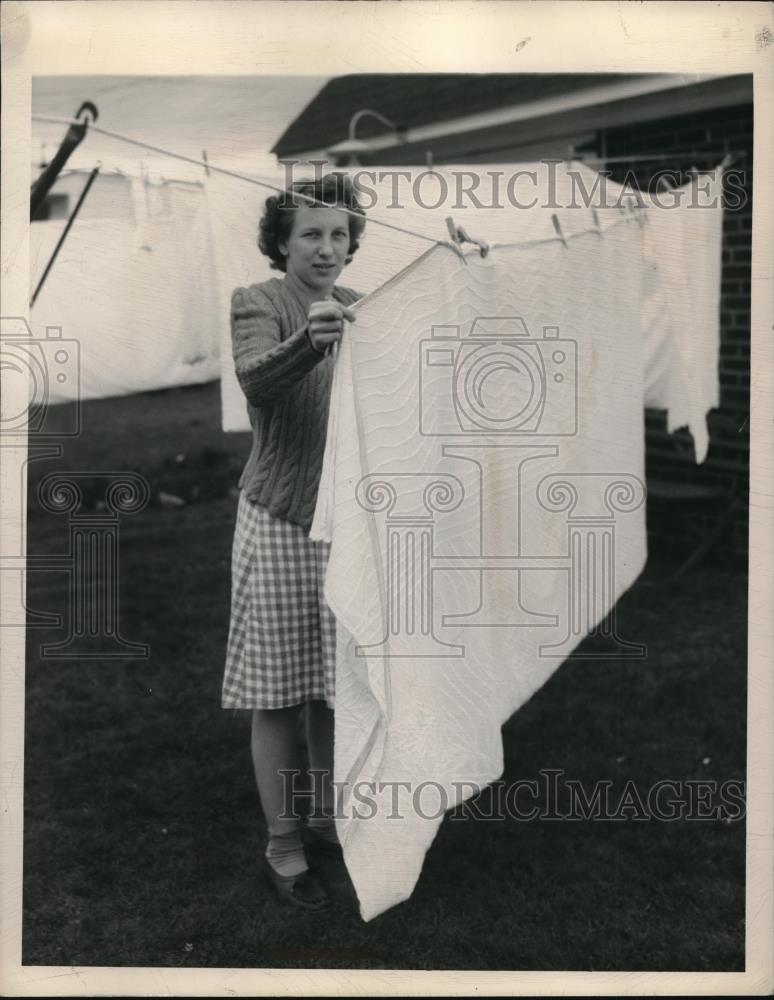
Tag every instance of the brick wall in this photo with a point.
(669, 457)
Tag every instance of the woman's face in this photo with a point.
(317, 247)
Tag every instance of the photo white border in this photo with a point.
(252, 37)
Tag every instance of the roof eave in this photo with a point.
(689, 90)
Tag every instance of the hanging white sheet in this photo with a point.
(134, 296)
(483, 492)
(682, 243)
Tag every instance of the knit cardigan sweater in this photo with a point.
(287, 384)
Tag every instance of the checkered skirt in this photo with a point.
(282, 634)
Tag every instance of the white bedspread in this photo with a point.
(482, 490)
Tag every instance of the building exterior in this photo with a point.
(633, 126)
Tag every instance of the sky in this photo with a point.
(236, 119)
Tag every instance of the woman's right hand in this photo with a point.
(326, 323)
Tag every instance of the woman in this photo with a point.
(282, 636)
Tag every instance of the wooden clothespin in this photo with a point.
(558, 228)
(459, 236)
(597, 224)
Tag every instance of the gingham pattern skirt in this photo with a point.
(282, 634)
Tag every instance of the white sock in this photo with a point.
(285, 853)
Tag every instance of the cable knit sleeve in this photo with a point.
(265, 364)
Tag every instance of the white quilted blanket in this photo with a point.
(482, 490)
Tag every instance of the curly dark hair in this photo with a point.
(333, 190)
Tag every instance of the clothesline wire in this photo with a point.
(569, 236)
(228, 173)
(206, 165)
(629, 217)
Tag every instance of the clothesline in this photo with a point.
(208, 166)
(119, 172)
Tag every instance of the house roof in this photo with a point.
(415, 99)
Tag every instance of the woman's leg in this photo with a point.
(319, 740)
(274, 747)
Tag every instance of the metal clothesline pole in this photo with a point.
(63, 237)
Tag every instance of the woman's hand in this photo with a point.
(326, 323)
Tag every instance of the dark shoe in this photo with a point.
(318, 842)
(304, 891)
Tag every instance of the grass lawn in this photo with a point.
(142, 825)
